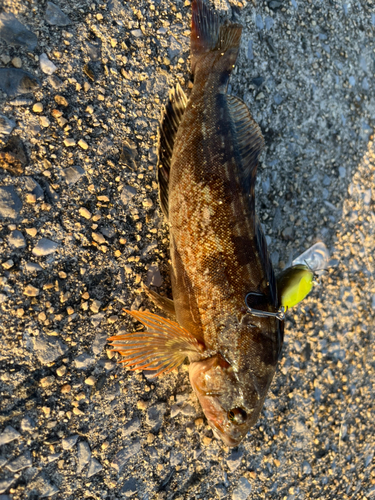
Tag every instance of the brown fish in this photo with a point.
(225, 299)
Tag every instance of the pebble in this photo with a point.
(99, 238)
(15, 33)
(275, 4)
(69, 142)
(55, 16)
(8, 435)
(73, 174)
(220, 490)
(10, 203)
(8, 264)
(69, 442)
(14, 81)
(38, 107)
(45, 247)
(44, 121)
(17, 63)
(129, 488)
(61, 100)
(243, 489)
(13, 156)
(95, 306)
(94, 467)
(35, 188)
(154, 277)
(83, 144)
(84, 361)
(27, 424)
(154, 416)
(46, 65)
(47, 348)
(278, 99)
(176, 458)
(33, 267)
(188, 411)
(127, 194)
(124, 455)
(55, 82)
(61, 370)
(21, 462)
(106, 145)
(129, 153)
(31, 231)
(5, 484)
(108, 231)
(84, 455)
(306, 468)
(47, 381)
(234, 460)
(136, 33)
(174, 48)
(288, 233)
(43, 485)
(250, 53)
(259, 22)
(6, 125)
(147, 203)
(21, 101)
(207, 440)
(31, 291)
(66, 388)
(90, 380)
(99, 343)
(16, 240)
(93, 51)
(132, 426)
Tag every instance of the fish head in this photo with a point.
(230, 407)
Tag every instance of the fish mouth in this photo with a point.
(212, 403)
(227, 439)
(220, 425)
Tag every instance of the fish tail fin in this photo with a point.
(208, 34)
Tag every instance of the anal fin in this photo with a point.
(169, 123)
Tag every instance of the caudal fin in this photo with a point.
(208, 34)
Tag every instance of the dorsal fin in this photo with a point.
(249, 140)
(169, 123)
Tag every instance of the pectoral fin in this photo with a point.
(162, 347)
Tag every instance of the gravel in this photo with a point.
(81, 232)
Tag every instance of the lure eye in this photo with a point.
(237, 415)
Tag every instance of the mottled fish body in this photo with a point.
(208, 157)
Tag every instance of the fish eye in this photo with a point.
(237, 415)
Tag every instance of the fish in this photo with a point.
(225, 315)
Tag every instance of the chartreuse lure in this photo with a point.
(294, 284)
